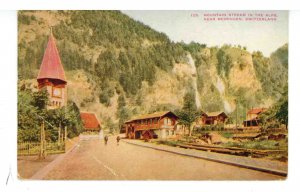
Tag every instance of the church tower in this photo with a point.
(52, 76)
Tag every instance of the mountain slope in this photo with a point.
(118, 67)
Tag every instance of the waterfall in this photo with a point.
(194, 79)
(227, 106)
(220, 85)
(221, 88)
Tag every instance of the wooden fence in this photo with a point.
(34, 148)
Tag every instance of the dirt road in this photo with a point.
(93, 160)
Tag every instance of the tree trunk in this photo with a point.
(191, 129)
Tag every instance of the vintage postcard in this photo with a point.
(152, 95)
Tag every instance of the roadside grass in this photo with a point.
(249, 144)
(227, 134)
(264, 145)
(278, 157)
(168, 142)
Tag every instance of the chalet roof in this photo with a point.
(216, 113)
(90, 120)
(256, 110)
(51, 66)
(152, 115)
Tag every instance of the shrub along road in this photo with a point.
(93, 160)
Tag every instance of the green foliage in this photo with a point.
(276, 114)
(24, 19)
(119, 53)
(122, 58)
(111, 126)
(123, 113)
(189, 102)
(282, 113)
(224, 63)
(168, 142)
(194, 49)
(163, 107)
(264, 145)
(28, 122)
(121, 101)
(107, 91)
(68, 116)
(189, 113)
(40, 99)
(281, 55)
(227, 135)
(272, 72)
(32, 112)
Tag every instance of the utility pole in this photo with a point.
(59, 130)
(65, 138)
(236, 113)
(42, 140)
(246, 114)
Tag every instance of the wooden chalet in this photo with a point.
(253, 117)
(90, 122)
(212, 118)
(52, 76)
(156, 125)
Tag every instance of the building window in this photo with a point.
(167, 121)
(56, 92)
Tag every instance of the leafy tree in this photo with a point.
(28, 121)
(67, 116)
(121, 101)
(40, 99)
(279, 112)
(188, 114)
(32, 112)
(123, 112)
(111, 126)
(282, 109)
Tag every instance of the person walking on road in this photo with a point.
(118, 139)
(106, 139)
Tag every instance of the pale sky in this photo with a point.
(265, 36)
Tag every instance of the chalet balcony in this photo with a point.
(167, 126)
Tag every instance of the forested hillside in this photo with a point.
(118, 67)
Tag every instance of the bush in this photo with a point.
(32, 112)
(168, 142)
(273, 124)
(227, 134)
(264, 145)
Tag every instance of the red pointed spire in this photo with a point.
(51, 67)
